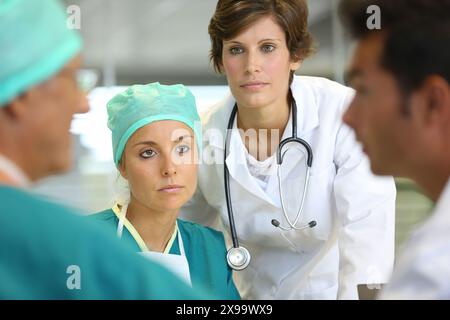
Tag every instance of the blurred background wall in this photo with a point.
(140, 41)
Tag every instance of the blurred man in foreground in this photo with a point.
(401, 116)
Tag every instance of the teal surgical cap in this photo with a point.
(35, 43)
(141, 105)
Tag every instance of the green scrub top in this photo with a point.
(204, 248)
(48, 252)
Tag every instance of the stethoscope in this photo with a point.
(238, 257)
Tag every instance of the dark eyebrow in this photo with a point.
(181, 138)
(263, 40)
(153, 143)
(231, 41)
(274, 39)
(148, 142)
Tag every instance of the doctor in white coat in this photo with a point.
(258, 45)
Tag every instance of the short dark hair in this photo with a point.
(416, 36)
(234, 16)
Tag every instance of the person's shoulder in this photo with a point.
(215, 120)
(40, 221)
(200, 231)
(428, 246)
(105, 215)
(432, 237)
(320, 84)
(106, 218)
(330, 98)
(23, 198)
(323, 89)
(218, 113)
(28, 205)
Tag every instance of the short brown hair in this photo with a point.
(417, 36)
(234, 16)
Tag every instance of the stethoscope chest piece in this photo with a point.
(238, 258)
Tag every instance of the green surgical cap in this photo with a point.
(35, 43)
(141, 105)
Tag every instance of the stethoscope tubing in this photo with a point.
(280, 156)
(234, 237)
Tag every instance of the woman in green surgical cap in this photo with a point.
(156, 137)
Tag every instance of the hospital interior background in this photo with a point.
(142, 41)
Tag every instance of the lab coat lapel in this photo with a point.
(307, 109)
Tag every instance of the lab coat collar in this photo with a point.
(11, 174)
(307, 108)
(443, 203)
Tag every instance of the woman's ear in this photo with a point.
(296, 62)
(221, 69)
(121, 167)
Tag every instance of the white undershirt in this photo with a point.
(261, 170)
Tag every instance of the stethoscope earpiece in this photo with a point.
(312, 224)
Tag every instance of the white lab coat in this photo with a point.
(353, 241)
(422, 270)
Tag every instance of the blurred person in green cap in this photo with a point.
(156, 138)
(47, 251)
